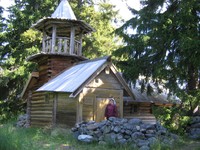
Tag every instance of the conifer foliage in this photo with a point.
(162, 43)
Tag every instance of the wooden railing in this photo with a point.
(61, 46)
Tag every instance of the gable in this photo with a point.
(33, 79)
(106, 79)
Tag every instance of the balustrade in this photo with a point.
(62, 46)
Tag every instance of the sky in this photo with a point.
(121, 5)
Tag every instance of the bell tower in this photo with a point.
(62, 32)
(61, 43)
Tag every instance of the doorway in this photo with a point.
(101, 104)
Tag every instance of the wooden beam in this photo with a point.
(80, 46)
(35, 74)
(121, 104)
(72, 38)
(28, 109)
(53, 39)
(79, 108)
(55, 103)
(43, 41)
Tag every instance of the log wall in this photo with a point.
(50, 66)
(41, 109)
(66, 110)
(139, 110)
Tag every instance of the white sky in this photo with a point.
(6, 3)
(121, 5)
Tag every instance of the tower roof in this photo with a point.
(64, 18)
(64, 11)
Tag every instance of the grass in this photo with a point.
(12, 138)
(187, 144)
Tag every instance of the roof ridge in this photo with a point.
(107, 58)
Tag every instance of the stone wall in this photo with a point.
(22, 121)
(123, 131)
(194, 128)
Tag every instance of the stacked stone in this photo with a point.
(194, 128)
(22, 121)
(123, 131)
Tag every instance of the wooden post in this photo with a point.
(28, 109)
(121, 103)
(72, 39)
(44, 41)
(80, 45)
(79, 108)
(53, 39)
(55, 102)
(66, 46)
(60, 45)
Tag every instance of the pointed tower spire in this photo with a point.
(64, 11)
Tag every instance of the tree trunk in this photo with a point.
(192, 84)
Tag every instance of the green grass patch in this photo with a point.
(13, 138)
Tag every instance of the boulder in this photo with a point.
(85, 138)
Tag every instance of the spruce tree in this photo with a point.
(164, 45)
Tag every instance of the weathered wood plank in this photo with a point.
(38, 102)
(105, 81)
(72, 37)
(50, 104)
(37, 93)
(41, 112)
(66, 104)
(38, 123)
(66, 119)
(47, 119)
(38, 98)
(40, 108)
(41, 116)
(43, 68)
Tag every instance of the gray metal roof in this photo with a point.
(64, 11)
(158, 98)
(71, 79)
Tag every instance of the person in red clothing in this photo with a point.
(111, 109)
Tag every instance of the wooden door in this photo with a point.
(88, 108)
(100, 108)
